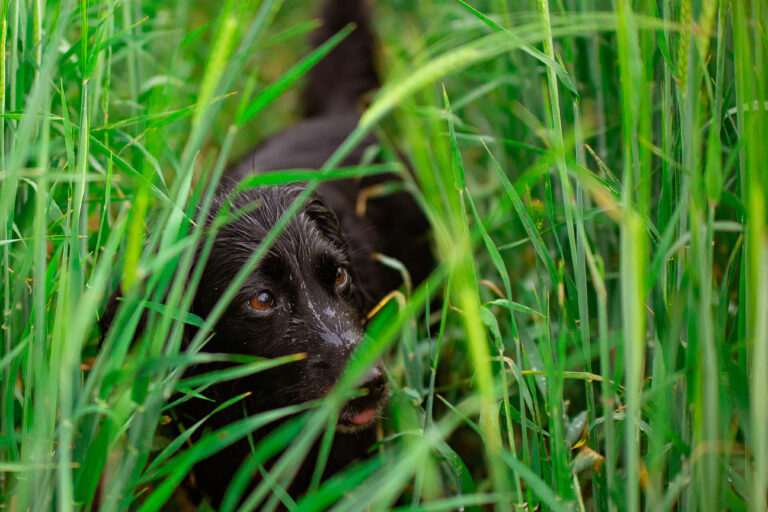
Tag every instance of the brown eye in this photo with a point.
(263, 301)
(341, 277)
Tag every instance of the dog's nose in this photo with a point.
(374, 381)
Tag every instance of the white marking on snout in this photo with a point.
(351, 336)
(326, 333)
(331, 338)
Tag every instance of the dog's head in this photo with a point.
(303, 297)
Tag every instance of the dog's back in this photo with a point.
(330, 99)
(338, 81)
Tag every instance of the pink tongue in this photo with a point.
(364, 417)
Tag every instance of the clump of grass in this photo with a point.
(594, 175)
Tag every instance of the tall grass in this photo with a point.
(594, 173)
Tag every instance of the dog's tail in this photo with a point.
(337, 82)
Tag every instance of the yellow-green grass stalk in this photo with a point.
(634, 240)
(752, 87)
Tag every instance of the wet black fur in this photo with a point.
(310, 315)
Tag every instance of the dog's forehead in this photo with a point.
(301, 241)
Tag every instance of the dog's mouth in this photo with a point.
(355, 419)
(362, 413)
(364, 417)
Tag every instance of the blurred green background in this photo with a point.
(595, 336)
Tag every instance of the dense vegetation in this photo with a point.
(595, 336)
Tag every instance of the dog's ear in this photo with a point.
(105, 322)
(325, 219)
(110, 313)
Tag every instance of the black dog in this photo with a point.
(312, 290)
